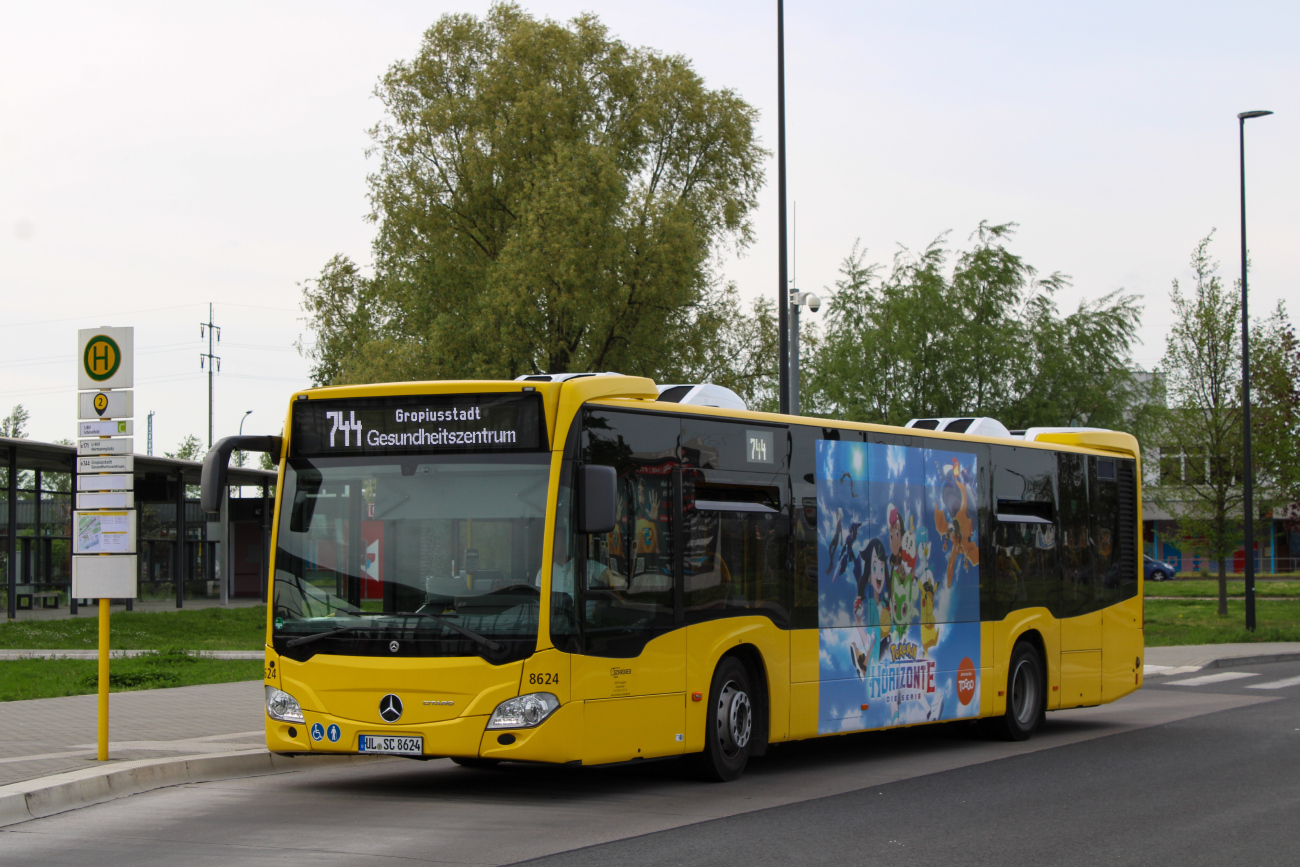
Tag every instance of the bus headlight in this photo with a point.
(523, 712)
(282, 706)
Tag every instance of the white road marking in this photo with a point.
(1277, 684)
(1169, 670)
(1211, 678)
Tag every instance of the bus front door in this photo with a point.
(632, 674)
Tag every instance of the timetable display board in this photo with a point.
(419, 424)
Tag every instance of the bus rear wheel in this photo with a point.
(729, 726)
(1026, 699)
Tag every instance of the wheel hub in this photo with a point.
(1024, 693)
(735, 719)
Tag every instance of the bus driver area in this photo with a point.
(594, 569)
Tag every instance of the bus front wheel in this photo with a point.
(729, 725)
(1026, 699)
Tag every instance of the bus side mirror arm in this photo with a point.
(597, 491)
(216, 464)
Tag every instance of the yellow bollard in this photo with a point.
(103, 679)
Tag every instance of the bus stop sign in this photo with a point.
(107, 357)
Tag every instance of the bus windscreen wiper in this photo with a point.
(316, 636)
(473, 636)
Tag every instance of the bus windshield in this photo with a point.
(410, 555)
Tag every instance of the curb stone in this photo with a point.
(47, 796)
(1252, 660)
(1229, 662)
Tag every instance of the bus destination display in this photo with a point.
(436, 423)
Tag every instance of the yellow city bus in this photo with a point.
(592, 569)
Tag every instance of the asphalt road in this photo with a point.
(1203, 773)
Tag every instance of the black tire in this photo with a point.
(729, 728)
(480, 764)
(1026, 696)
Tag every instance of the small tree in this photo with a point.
(1200, 440)
(1275, 413)
(190, 449)
(14, 425)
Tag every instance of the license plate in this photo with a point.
(392, 745)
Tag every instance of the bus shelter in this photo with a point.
(183, 552)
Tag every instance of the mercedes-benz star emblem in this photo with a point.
(390, 708)
(393, 646)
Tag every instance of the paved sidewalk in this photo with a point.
(48, 736)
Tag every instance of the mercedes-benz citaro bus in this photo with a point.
(592, 569)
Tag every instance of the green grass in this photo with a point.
(201, 629)
(1194, 621)
(49, 678)
(1210, 589)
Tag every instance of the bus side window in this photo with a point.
(1077, 593)
(1114, 491)
(735, 558)
(1026, 567)
(1104, 538)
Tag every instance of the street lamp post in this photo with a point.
(783, 327)
(1248, 482)
(241, 422)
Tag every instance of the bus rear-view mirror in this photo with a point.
(597, 492)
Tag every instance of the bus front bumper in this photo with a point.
(556, 740)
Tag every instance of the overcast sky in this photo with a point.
(155, 157)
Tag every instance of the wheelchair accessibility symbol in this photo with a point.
(317, 731)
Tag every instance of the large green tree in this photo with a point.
(547, 199)
(980, 337)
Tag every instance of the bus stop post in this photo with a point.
(103, 679)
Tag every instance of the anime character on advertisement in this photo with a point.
(873, 610)
(903, 593)
(952, 517)
(925, 578)
(848, 557)
(860, 654)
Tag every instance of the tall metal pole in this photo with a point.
(783, 289)
(794, 358)
(213, 362)
(795, 302)
(1248, 482)
(210, 372)
(12, 539)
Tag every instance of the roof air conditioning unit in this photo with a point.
(979, 426)
(704, 394)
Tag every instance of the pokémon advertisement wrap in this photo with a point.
(898, 585)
